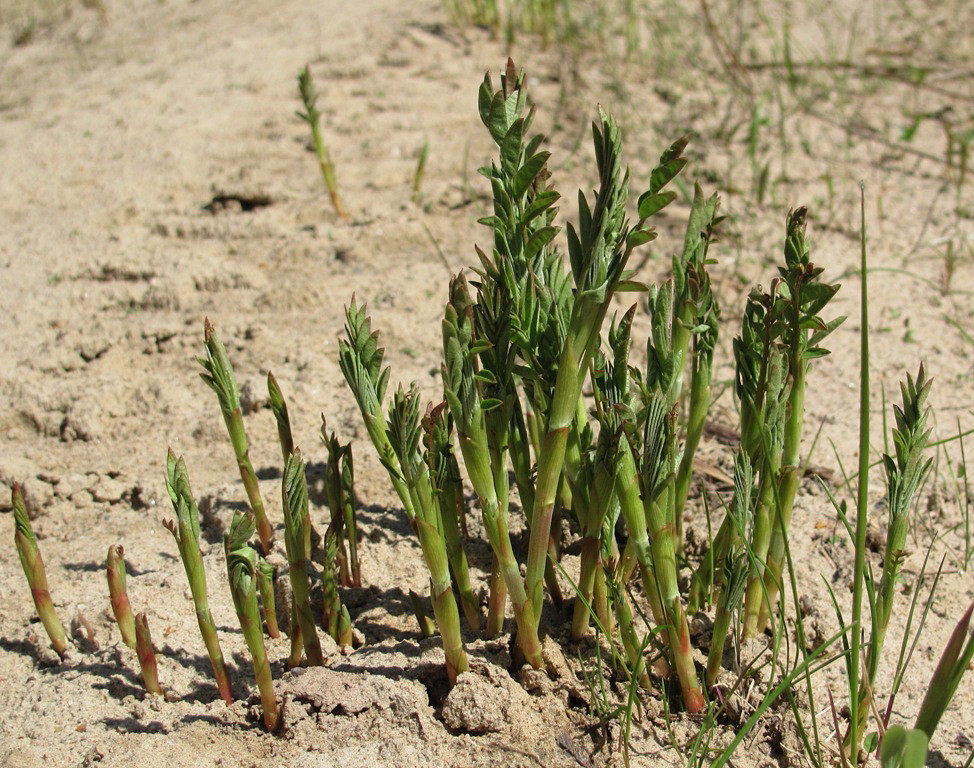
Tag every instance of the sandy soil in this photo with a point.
(154, 172)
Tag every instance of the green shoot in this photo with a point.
(448, 494)
(405, 433)
(862, 499)
(33, 564)
(294, 494)
(241, 567)
(957, 657)
(279, 407)
(803, 297)
(218, 374)
(905, 472)
(397, 441)
(186, 530)
(121, 608)
(335, 615)
(265, 585)
(735, 565)
(147, 656)
(339, 491)
(312, 117)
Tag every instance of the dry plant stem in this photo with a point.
(294, 494)
(265, 584)
(241, 570)
(121, 608)
(186, 530)
(218, 374)
(33, 564)
(147, 656)
(313, 117)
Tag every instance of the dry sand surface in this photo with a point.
(153, 172)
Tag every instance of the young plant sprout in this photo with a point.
(907, 748)
(397, 441)
(448, 493)
(186, 530)
(265, 585)
(294, 493)
(803, 296)
(218, 373)
(905, 472)
(349, 519)
(548, 414)
(956, 659)
(405, 433)
(147, 655)
(279, 407)
(335, 616)
(121, 608)
(735, 565)
(312, 117)
(33, 564)
(241, 570)
(340, 493)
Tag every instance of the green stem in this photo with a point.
(121, 608)
(862, 497)
(147, 657)
(444, 604)
(33, 565)
(700, 393)
(265, 583)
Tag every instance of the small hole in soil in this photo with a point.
(231, 202)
